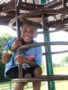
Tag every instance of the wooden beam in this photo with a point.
(42, 78)
(7, 7)
(10, 6)
(57, 22)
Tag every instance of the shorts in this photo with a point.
(13, 72)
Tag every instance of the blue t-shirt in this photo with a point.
(35, 52)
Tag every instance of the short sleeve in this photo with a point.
(38, 56)
(9, 44)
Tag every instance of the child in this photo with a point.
(30, 58)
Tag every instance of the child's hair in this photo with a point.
(28, 23)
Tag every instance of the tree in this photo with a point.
(3, 40)
(64, 60)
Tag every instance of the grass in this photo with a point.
(60, 85)
(61, 70)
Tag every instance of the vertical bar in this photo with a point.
(51, 84)
(64, 3)
(33, 1)
(18, 35)
(43, 1)
(26, 1)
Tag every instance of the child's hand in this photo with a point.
(31, 58)
(16, 44)
(20, 59)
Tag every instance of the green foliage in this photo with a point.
(3, 40)
(56, 65)
(65, 60)
(2, 78)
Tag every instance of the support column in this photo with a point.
(51, 84)
(18, 36)
(44, 1)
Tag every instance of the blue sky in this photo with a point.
(56, 36)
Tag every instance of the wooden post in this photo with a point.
(18, 35)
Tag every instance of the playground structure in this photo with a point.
(52, 15)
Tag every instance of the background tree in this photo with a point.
(64, 60)
(3, 40)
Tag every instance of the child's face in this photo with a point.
(28, 34)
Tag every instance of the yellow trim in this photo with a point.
(8, 51)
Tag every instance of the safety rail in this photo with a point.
(42, 78)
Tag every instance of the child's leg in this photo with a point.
(18, 86)
(37, 73)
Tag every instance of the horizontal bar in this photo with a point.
(53, 4)
(43, 11)
(44, 44)
(49, 24)
(42, 78)
(52, 31)
(10, 6)
(58, 52)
